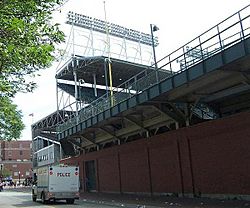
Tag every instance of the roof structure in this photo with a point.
(86, 67)
(211, 80)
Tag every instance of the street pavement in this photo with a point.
(21, 197)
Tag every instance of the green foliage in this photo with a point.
(6, 172)
(27, 41)
(27, 44)
(10, 120)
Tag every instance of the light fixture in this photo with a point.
(153, 28)
(114, 29)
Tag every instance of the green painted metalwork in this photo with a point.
(222, 36)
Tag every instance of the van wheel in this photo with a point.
(44, 201)
(34, 198)
(70, 201)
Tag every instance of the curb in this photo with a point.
(119, 204)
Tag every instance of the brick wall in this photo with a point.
(15, 150)
(221, 154)
(165, 161)
(25, 170)
(16, 157)
(208, 158)
(108, 170)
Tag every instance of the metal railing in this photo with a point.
(227, 33)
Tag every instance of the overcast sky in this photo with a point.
(179, 21)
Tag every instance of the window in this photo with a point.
(51, 155)
(9, 153)
(45, 157)
(27, 173)
(15, 173)
(21, 152)
(20, 145)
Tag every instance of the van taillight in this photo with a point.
(49, 194)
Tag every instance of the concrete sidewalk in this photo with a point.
(132, 201)
(139, 201)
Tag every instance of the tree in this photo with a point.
(6, 172)
(27, 41)
(27, 44)
(11, 123)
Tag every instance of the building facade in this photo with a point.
(182, 129)
(16, 160)
(209, 159)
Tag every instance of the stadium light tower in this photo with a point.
(116, 30)
(153, 28)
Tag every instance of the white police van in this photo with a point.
(56, 183)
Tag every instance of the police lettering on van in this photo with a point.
(63, 174)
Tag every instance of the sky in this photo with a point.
(179, 21)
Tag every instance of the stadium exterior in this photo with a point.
(180, 128)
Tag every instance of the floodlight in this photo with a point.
(114, 29)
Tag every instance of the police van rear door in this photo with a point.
(63, 179)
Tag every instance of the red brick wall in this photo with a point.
(22, 167)
(211, 157)
(108, 166)
(16, 156)
(164, 161)
(134, 167)
(221, 155)
(16, 150)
